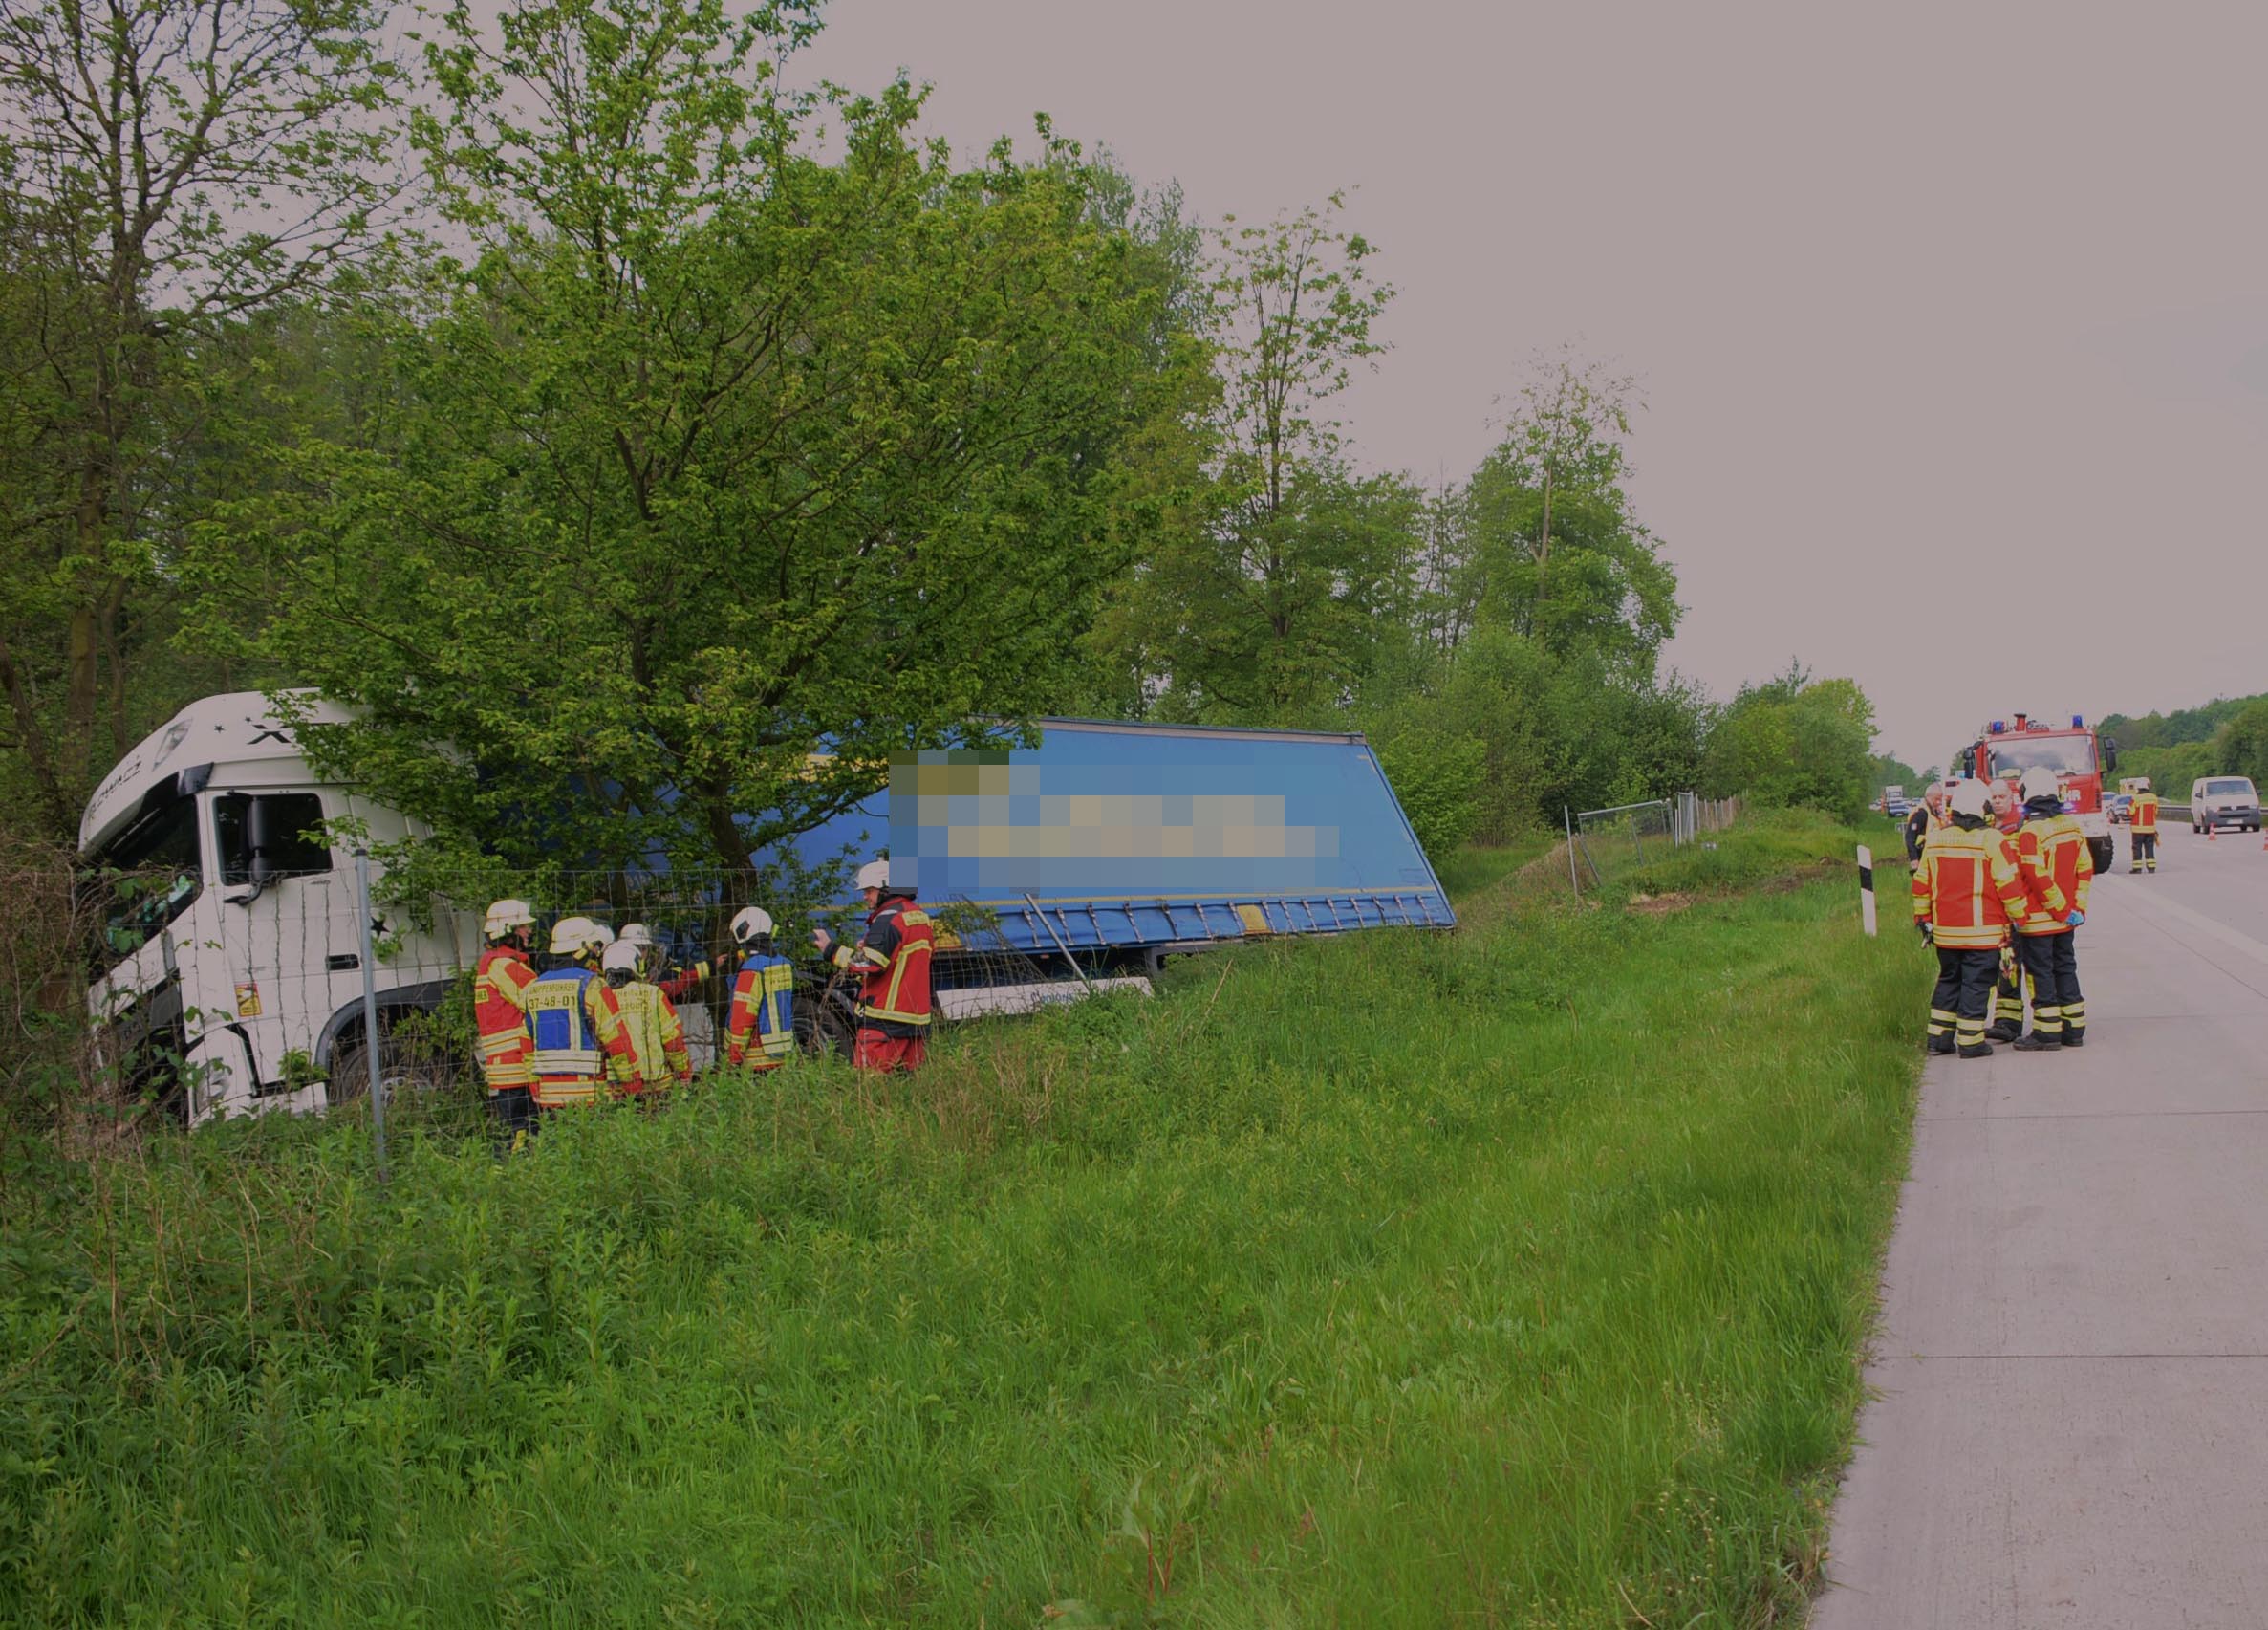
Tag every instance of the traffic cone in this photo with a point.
(2212, 832)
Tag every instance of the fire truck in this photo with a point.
(2003, 751)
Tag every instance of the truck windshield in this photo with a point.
(151, 874)
(2065, 755)
(2230, 784)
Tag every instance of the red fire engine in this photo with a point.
(2004, 751)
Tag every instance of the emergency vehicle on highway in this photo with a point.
(2077, 756)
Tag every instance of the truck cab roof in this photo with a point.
(233, 736)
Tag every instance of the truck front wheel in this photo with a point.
(2102, 854)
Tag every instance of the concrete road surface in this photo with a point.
(2070, 1426)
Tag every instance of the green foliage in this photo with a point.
(2227, 737)
(169, 168)
(1795, 741)
(1437, 778)
(714, 451)
(1549, 1246)
(2182, 726)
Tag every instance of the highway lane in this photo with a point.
(2226, 878)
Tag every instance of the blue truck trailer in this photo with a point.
(1084, 862)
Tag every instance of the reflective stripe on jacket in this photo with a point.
(760, 1029)
(1968, 886)
(654, 1039)
(500, 1015)
(2058, 869)
(576, 1027)
(891, 960)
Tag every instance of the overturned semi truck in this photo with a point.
(232, 971)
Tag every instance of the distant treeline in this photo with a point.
(2227, 737)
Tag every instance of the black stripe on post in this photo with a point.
(1866, 879)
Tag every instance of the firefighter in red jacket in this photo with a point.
(2142, 827)
(760, 1027)
(2008, 996)
(499, 1012)
(1965, 891)
(2058, 870)
(891, 960)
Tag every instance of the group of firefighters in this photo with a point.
(598, 1017)
(2001, 874)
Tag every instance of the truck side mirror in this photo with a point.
(259, 837)
(2110, 754)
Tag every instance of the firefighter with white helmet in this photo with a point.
(760, 1025)
(654, 1053)
(499, 1012)
(653, 965)
(2142, 827)
(1966, 890)
(573, 1019)
(891, 960)
(2058, 870)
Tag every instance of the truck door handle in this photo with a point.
(346, 962)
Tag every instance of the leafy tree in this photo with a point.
(1265, 600)
(1794, 740)
(2240, 746)
(716, 452)
(172, 165)
(1555, 552)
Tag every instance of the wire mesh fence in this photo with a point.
(1610, 844)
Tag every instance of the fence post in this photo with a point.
(1867, 890)
(370, 1030)
(1573, 876)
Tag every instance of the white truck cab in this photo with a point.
(232, 956)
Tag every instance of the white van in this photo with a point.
(2224, 801)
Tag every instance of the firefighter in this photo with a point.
(654, 1054)
(1918, 822)
(1965, 891)
(760, 1027)
(500, 1012)
(2058, 870)
(2008, 995)
(891, 960)
(2142, 827)
(573, 1018)
(655, 967)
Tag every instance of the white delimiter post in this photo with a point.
(1867, 888)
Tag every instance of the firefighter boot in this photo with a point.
(1940, 1044)
(2038, 1043)
(2003, 1030)
(1978, 1050)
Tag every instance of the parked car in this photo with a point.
(2119, 807)
(2224, 801)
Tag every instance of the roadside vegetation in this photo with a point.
(1514, 1276)
(2228, 737)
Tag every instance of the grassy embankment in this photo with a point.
(1510, 1277)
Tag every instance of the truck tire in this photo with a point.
(2101, 851)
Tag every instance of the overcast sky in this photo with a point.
(1952, 324)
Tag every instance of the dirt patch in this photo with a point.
(1803, 877)
(1659, 904)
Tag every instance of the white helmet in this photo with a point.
(635, 934)
(2142, 783)
(2039, 782)
(622, 957)
(574, 935)
(875, 874)
(507, 915)
(749, 922)
(1970, 798)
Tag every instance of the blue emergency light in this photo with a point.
(2077, 723)
(1999, 726)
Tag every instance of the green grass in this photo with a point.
(1510, 1277)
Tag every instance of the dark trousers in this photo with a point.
(1960, 1004)
(2052, 960)
(2144, 846)
(510, 1113)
